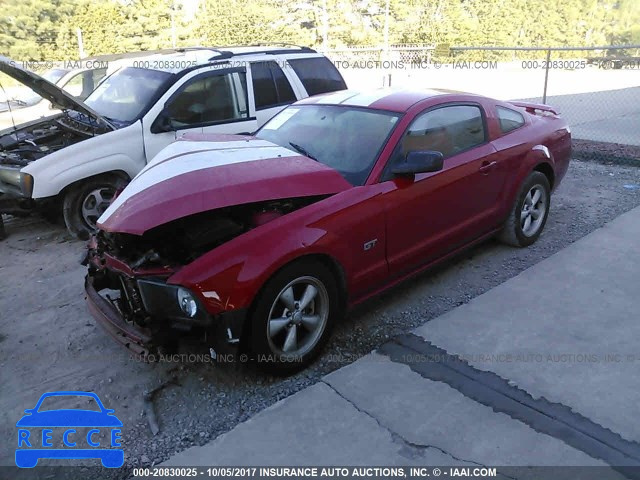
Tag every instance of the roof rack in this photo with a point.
(110, 57)
(266, 44)
(223, 54)
(221, 51)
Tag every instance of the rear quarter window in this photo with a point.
(509, 119)
(318, 75)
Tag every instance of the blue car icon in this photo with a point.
(59, 437)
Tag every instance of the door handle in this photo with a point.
(486, 166)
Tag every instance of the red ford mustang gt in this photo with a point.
(262, 242)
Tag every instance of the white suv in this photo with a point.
(83, 155)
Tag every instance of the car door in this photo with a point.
(431, 214)
(214, 101)
(272, 90)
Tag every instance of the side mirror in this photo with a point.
(420, 162)
(162, 123)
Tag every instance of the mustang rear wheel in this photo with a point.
(529, 212)
(292, 317)
(84, 203)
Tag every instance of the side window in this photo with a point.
(207, 99)
(74, 86)
(449, 130)
(84, 83)
(318, 75)
(285, 92)
(509, 119)
(270, 85)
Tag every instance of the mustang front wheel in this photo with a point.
(293, 316)
(529, 213)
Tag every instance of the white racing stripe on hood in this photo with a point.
(181, 147)
(191, 162)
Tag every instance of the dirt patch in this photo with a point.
(606, 152)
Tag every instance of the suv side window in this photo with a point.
(270, 85)
(208, 99)
(74, 86)
(82, 84)
(318, 75)
(509, 119)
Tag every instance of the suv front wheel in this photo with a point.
(87, 201)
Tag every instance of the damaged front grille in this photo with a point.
(181, 241)
(123, 293)
(131, 302)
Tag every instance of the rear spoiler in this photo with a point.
(532, 107)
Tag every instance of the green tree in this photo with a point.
(29, 28)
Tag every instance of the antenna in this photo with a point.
(15, 129)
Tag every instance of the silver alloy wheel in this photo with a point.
(533, 210)
(298, 317)
(95, 203)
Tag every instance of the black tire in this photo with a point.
(263, 347)
(512, 232)
(80, 195)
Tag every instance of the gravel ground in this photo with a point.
(604, 151)
(48, 341)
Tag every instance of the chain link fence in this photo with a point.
(596, 88)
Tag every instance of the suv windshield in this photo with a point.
(348, 139)
(125, 94)
(26, 97)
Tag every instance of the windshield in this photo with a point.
(24, 96)
(348, 139)
(125, 94)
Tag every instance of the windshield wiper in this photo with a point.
(303, 151)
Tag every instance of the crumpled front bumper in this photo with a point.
(226, 328)
(136, 339)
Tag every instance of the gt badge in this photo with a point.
(370, 244)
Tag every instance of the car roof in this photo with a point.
(176, 60)
(391, 99)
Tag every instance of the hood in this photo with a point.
(48, 90)
(192, 176)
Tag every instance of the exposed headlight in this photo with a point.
(26, 184)
(187, 303)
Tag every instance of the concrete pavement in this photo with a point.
(541, 371)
